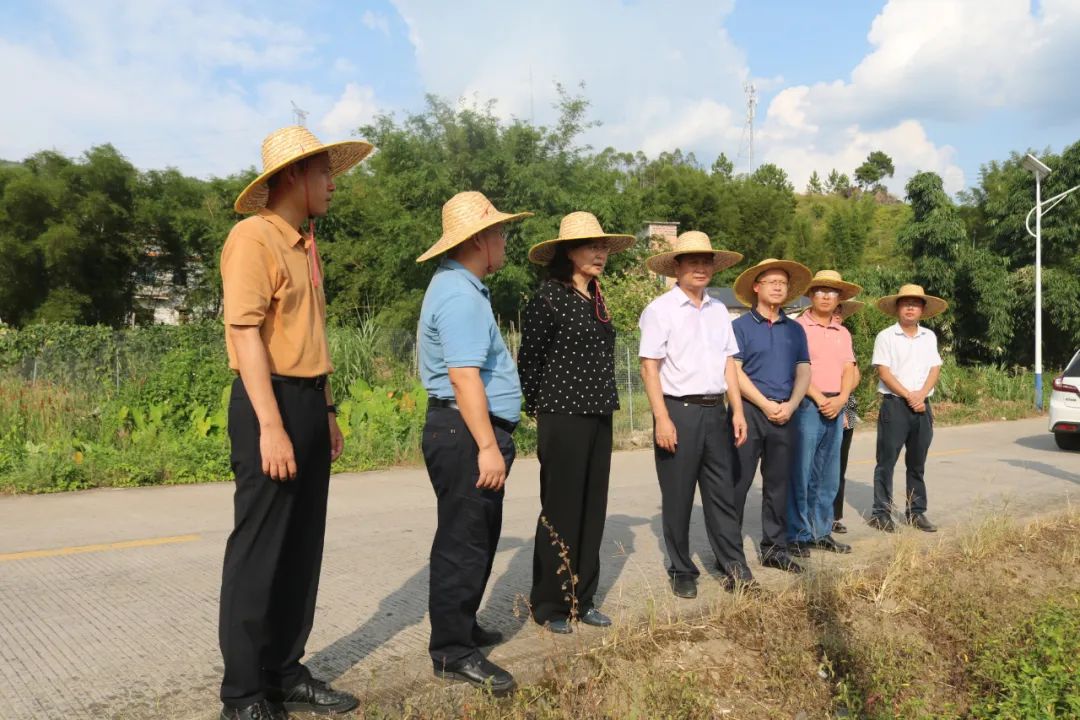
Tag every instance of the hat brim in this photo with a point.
(664, 263)
(798, 279)
(934, 305)
(344, 155)
(847, 290)
(543, 252)
(850, 307)
(449, 242)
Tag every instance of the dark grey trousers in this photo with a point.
(772, 445)
(704, 457)
(899, 427)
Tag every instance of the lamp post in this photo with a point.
(1036, 167)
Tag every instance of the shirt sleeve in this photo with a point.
(740, 340)
(463, 330)
(936, 360)
(654, 335)
(248, 273)
(881, 350)
(802, 348)
(849, 348)
(731, 348)
(538, 328)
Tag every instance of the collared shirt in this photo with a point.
(691, 343)
(567, 355)
(909, 359)
(769, 352)
(267, 282)
(830, 351)
(458, 330)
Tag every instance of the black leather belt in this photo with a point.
(496, 421)
(891, 395)
(705, 400)
(315, 383)
(835, 394)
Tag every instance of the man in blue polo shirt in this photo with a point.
(774, 374)
(474, 403)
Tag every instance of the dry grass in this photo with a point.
(906, 637)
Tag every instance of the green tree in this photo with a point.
(813, 187)
(773, 177)
(723, 167)
(877, 166)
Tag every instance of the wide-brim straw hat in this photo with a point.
(579, 226)
(847, 308)
(283, 147)
(691, 242)
(463, 216)
(934, 305)
(798, 278)
(832, 279)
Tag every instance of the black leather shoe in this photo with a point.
(314, 696)
(594, 617)
(486, 638)
(739, 576)
(839, 527)
(920, 522)
(560, 627)
(780, 560)
(477, 670)
(684, 587)
(260, 710)
(882, 522)
(830, 544)
(798, 548)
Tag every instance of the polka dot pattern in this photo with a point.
(567, 356)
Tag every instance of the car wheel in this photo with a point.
(1067, 441)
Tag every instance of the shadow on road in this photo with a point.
(1045, 469)
(1042, 441)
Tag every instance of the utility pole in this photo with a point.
(746, 146)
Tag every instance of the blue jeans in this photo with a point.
(815, 473)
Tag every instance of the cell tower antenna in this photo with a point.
(300, 116)
(746, 146)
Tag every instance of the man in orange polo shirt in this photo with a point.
(283, 429)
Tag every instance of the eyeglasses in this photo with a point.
(597, 246)
(826, 292)
(774, 283)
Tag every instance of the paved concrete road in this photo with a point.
(108, 598)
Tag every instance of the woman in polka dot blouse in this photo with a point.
(567, 368)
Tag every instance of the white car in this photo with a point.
(1065, 406)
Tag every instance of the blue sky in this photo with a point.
(942, 85)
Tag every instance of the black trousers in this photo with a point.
(274, 554)
(470, 522)
(575, 463)
(772, 445)
(901, 428)
(704, 457)
(845, 448)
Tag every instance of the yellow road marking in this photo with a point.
(100, 547)
(943, 453)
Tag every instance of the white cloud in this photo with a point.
(355, 107)
(945, 61)
(658, 75)
(376, 21)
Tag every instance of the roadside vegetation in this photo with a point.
(983, 624)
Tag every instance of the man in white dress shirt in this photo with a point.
(908, 364)
(687, 346)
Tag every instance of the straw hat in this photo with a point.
(847, 308)
(934, 305)
(283, 147)
(691, 242)
(832, 279)
(798, 278)
(579, 226)
(464, 215)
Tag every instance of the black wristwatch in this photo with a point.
(331, 409)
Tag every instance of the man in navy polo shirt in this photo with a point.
(474, 403)
(774, 374)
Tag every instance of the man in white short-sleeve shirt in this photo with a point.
(907, 361)
(687, 350)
